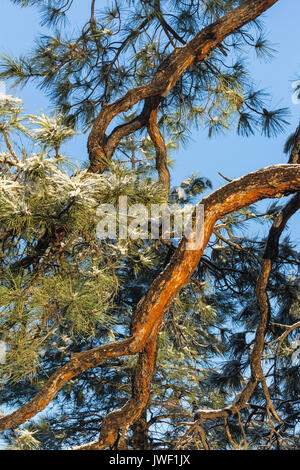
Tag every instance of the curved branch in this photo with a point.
(160, 148)
(270, 182)
(116, 423)
(270, 254)
(167, 74)
(112, 142)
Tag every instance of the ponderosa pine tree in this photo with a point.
(142, 343)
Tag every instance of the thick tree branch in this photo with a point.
(122, 131)
(166, 76)
(257, 375)
(140, 432)
(117, 423)
(270, 182)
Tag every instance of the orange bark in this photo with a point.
(100, 146)
(270, 182)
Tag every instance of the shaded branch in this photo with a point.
(116, 424)
(167, 74)
(51, 237)
(270, 254)
(160, 148)
(295, 153)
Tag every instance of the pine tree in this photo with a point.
(142, 343)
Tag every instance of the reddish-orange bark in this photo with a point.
(100, 146)
(270, 182)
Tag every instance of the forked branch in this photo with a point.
(270, 182)
(100, 146)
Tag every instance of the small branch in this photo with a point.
(229, 242)
(295, 153)
(224, 177)
(289, 329)
(231, 441)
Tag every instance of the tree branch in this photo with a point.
(270, 182)
(160, 148)
(270, 254)
(118, 422)
(167, 74)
